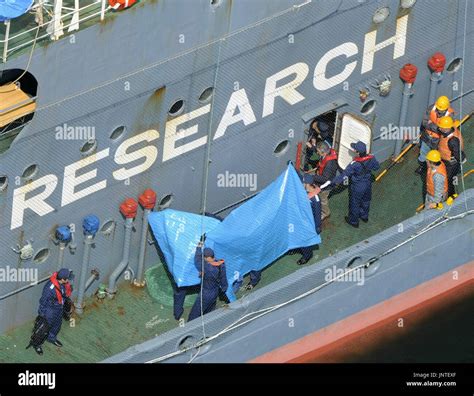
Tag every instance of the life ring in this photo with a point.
(121, 4)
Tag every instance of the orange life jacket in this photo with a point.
(57, 287)
(324, 161)
(311, 194)
(363, 159)
(443, 147)
(429, 179)
(434, 119)
(217, 263)
(121, 4)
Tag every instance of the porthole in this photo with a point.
(186, 342)
(176, 108)
(117, 133)
(89, 147)
(41, 256)
(3, 182)
(166, 201)
(381, 14)
(108, 227)
(30, 172)
(406, 4)
(206, 95)
(354, 262)
(372, 269)
(281, 148)
(454, 65)
(368, 107)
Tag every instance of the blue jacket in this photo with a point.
(214, 276)
(49, 301)
(359, 172)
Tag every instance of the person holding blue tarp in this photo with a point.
(214, 280)
(313, 191)
(254, 275)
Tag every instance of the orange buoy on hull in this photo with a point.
(121, 4)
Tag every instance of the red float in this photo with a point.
(437, 62)
(147, 199)
(129, 208)
(121, 4)
(408, 73)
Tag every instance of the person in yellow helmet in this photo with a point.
(451, 148)
(429, 138)
(436, 180)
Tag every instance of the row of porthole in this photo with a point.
(32, 170)
(177, 107)
(86, 149)
(90, 146)
(107, 228)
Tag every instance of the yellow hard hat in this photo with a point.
(445, 122)
(442, 103)
(433, 156)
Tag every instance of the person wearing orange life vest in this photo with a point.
(214, 281)
(430, 136)
(51, 306)
(436, 180)
(327, 170)
(451, 148)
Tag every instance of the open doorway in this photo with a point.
(320, 129)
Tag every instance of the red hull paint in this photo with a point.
(311, 346)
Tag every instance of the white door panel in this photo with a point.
(352, 129)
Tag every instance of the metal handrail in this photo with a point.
(6, 50)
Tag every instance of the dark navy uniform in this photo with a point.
(214, 280)
(316, 209)
(179, 294)
(359, 172)
(51, 304)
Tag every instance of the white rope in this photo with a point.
(29, 60)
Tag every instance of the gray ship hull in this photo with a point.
(129, 71)
(310, 322)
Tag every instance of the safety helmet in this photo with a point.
(433, 156)
(442, 103)
(445, 122)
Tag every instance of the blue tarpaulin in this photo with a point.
(251, 237)
(178, 234)
(10, 9)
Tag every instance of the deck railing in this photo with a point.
(53, 28)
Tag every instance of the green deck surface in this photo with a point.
(109, 327)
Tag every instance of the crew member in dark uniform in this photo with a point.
(55, 296)
(359, 172)
(214, 280)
